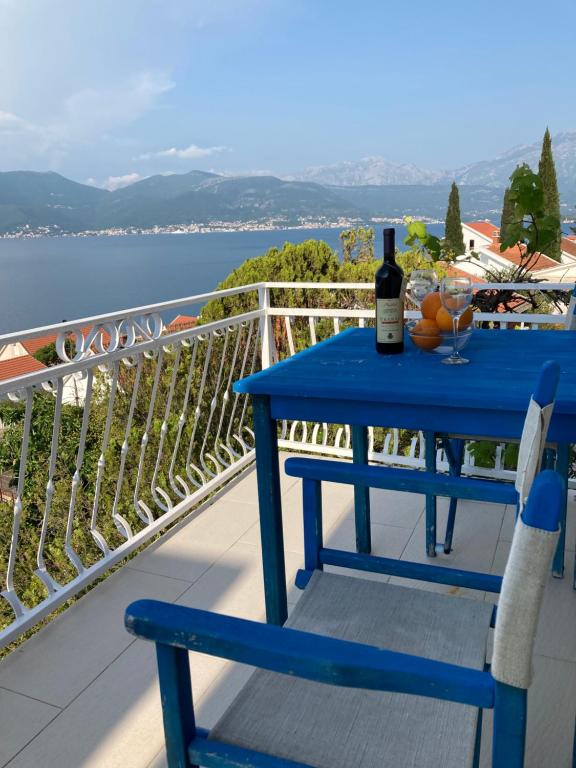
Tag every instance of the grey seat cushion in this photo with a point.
(329, 727)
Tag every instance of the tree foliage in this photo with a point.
(97, 494)
(508, 213)
(453, 239)
(49, 356)
(357, 244)
(310, 261)
(534, 230)
(531, 232)
(551, 202)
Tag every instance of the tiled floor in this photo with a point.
(83, 692)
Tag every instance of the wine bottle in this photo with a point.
(390, 287)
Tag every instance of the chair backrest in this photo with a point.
(536, 429)
(570, 324)
(527, 570)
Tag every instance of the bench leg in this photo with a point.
(562, 466)
(177, 707)
(313, 540)
(361, 493)
(509, 736)
(478, 742)
(430, 456)
(455, 454)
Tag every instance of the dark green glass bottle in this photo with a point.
(389, 300)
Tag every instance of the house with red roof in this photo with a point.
(19, 366)
(483, 239)
(17, 359)
(181, 323)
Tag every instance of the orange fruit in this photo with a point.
(427, 342)
(430, 305)
(444, 320)
(466, 318)
(428, 327)
(426, 334)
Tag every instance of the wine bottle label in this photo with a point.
(389, 320)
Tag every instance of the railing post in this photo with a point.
(268, 347)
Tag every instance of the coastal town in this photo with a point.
(266, 225)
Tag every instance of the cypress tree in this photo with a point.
(547, 173)
(453, 238)
(508, 213)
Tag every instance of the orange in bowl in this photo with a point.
(426, 334)
(444, 319)
(430, 305)
(466, 319)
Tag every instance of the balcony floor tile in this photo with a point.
(189, 549)
(21, 719)
(337, 501)
(57, 663)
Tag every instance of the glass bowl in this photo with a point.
(443, 343)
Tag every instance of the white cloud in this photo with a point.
(84, 117)
(11, 123)
(92, 112)
(23, 141)
(193, 152)
(113, 183)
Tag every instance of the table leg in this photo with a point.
(562, 465)
(430, 456)
(454, 449)
(269, 499)
(361, 494)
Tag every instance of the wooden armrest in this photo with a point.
(307, 655)
(410, 481)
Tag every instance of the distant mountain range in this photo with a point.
(37, 200)
(370, 188)
(371, 171)
(375, 171)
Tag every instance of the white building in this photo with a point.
(483, 239)
(17, 359)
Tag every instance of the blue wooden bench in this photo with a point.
(454, 451)
(430, 484)
(365, 673)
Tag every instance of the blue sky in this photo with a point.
(117, 89)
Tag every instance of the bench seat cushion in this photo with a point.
(331, 727)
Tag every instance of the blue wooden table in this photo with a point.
(344, 381)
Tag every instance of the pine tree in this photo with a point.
(508, 214)
(453, 238)
(547, 173)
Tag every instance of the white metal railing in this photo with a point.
(134, 426)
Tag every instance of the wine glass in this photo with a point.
(421, 283)
(456, 295)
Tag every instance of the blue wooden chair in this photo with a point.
(454, 486)
(365, 673)
(454, 451)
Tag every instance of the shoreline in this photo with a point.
(195, 229)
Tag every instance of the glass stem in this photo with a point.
(455, 319)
